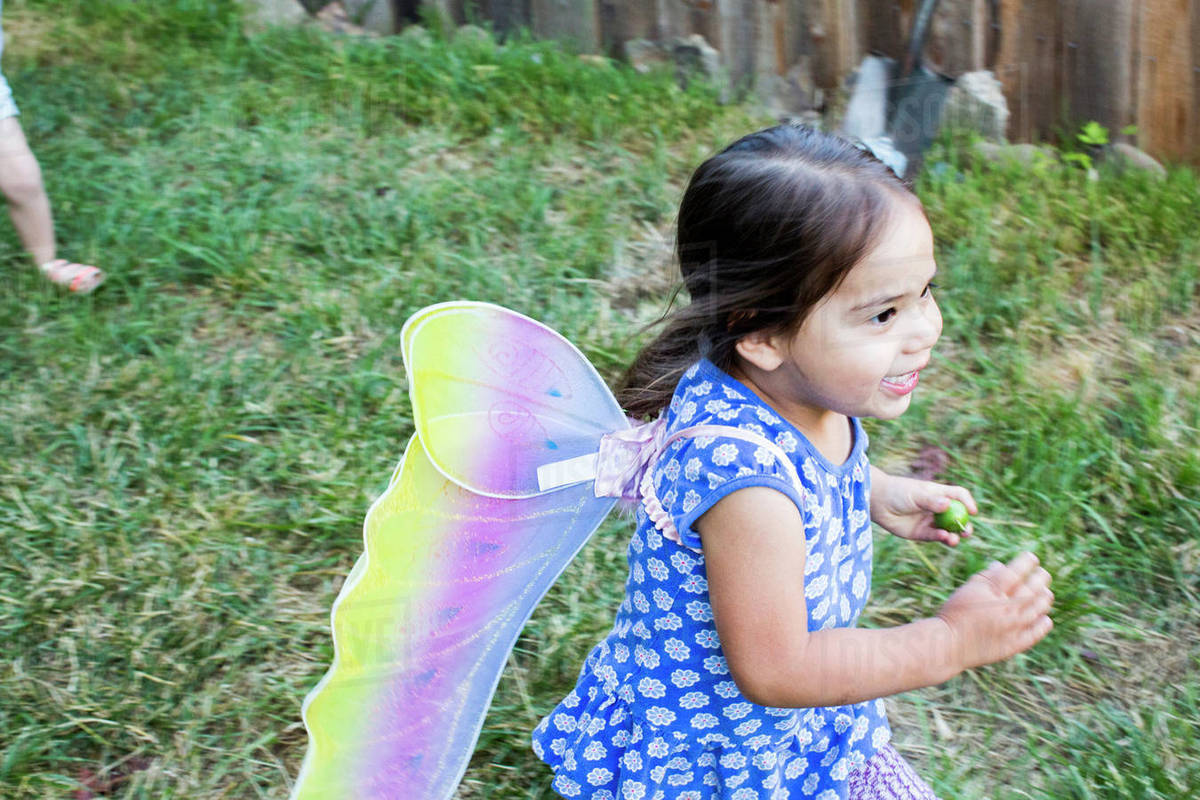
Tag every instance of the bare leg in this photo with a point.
(21, 183)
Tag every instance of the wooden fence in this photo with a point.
(1062, 62)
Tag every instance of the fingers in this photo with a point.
(963, 496)
(940, 495)
(926, 532)
(1002, 610)
(1000, 577)
(1040, 596)
(1039, 580)
(1011, 578)
(1036, 631)
(1031, 597)
(1022, 567)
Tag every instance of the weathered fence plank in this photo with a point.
(1030, 66)
(450, 10)
(1164, 75)
(1097, 62)
(772, 32)
(1061, 62)
(621, 21)
(958, 40)
(737, 38)
(833, 29)
(684, 17)
(507, 15)
(575, 21)
(886, 25)
(1192, 143)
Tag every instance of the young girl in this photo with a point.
(734, 669)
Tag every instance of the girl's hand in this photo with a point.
(999, 612)
(905, 507)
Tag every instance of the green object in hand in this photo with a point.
(953, 519)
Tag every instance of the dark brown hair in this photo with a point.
(767, 227)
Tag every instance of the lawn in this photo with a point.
(188, 454)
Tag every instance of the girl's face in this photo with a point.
(861, 349)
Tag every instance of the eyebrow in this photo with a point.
(878, 301)
(886, 300)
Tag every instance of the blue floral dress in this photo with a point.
(655, 714)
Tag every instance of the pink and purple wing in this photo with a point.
(458, 551)
(496, 395)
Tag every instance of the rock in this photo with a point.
(595, 60)
(416, 35)
(475, 34)
(1033, 154)
(693, 55)
(644, 55)
(976, 102)
(1126, 156)
(334, 18)
(376, 16)
(787, 96)
(1025, 154)
(812, 118)
(262, 14)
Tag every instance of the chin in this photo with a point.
(894, 409)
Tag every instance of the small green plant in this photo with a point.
(1092, 135)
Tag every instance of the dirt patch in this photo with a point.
(29, 35)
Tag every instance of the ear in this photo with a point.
(761, 349)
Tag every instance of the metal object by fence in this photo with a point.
(1121, 63)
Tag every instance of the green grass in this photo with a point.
(188, 454)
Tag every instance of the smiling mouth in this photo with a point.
(902, 384)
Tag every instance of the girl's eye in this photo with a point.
(929, 287)
(884, 317)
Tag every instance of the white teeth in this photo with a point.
(900, 378)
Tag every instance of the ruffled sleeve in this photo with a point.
(695, 472)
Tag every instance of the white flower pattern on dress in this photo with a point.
(656, 694)
(671, 622)
(723, 455)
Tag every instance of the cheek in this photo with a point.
(866, 369)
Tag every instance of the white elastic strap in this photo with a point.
(583, 468)
(572, 470)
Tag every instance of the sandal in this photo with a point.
(76, 278)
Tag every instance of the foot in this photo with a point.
(76, 278)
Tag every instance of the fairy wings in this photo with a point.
(495, 494)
